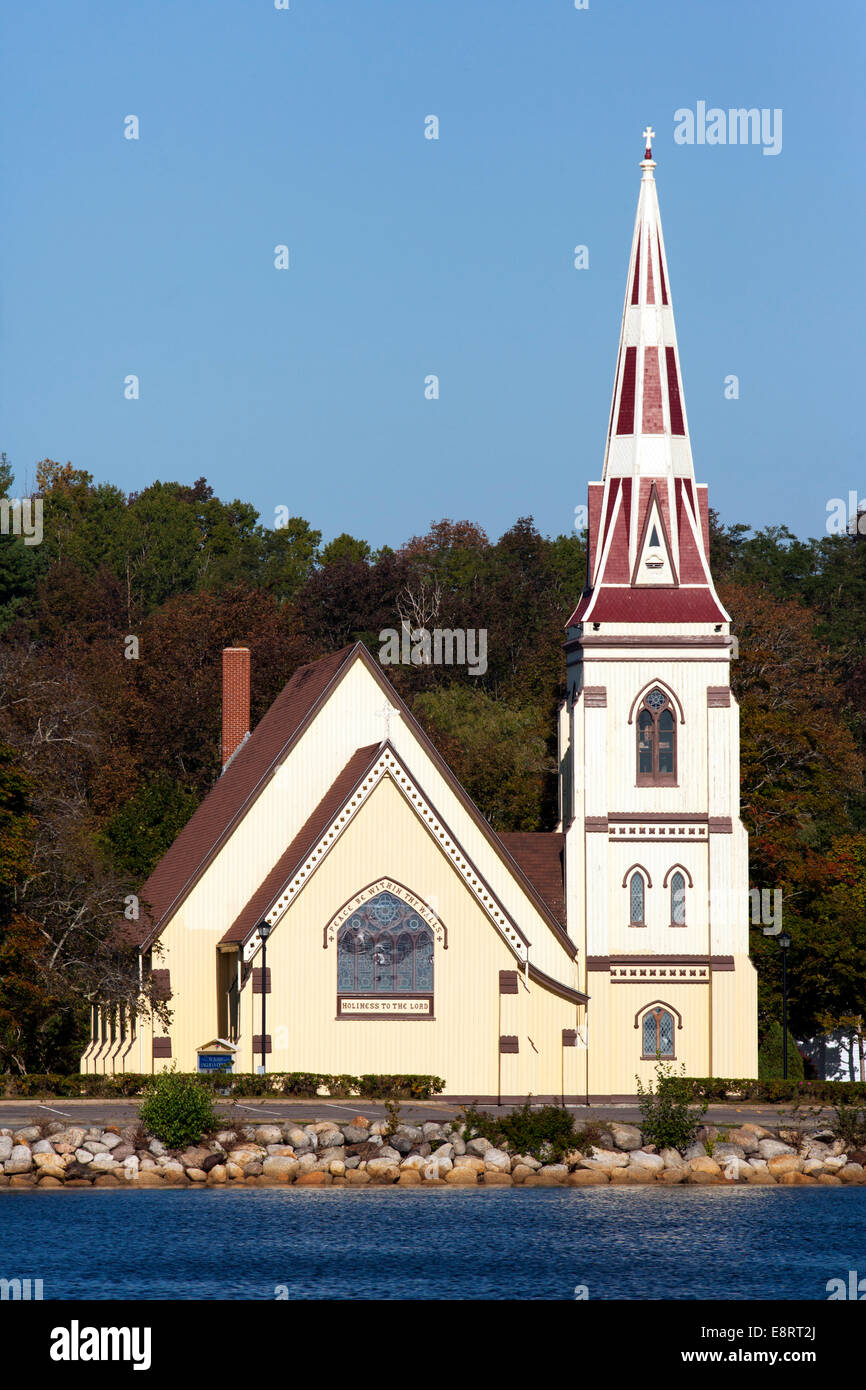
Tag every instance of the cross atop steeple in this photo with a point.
(649, 136)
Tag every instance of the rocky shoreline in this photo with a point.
(364, 1153)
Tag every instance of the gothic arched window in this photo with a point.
(385, 948)
(637, 900)
(656, 740)
(678, 900)
(657, 1034)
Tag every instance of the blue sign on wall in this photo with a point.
(214, 1061)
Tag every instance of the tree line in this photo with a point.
(103, 758)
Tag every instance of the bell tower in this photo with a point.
(656, 855)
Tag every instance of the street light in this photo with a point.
(264, 932)
(784, 943)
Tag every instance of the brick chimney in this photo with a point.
(236, 699)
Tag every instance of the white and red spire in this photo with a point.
(648, 526)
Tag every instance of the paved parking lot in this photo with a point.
(15, 1113)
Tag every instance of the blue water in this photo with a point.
(389, 1243)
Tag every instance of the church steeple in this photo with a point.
(648, 525)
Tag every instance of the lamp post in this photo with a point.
(784, 943)
(264, 933)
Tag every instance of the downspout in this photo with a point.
(140, 1021)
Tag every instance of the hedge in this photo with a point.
(772, 1090)
(294, 1083)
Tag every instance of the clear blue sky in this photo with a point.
(411, 256)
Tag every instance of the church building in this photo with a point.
(402, 934)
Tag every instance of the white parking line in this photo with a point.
(256, 1111)
(342, 1107)
(65, 1113)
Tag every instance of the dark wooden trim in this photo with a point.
(645, 690)
(508, 982)
(595, 696)
(720, 825)
(547, 982)
(257, 1044)
(644, 871)
(257, 979)
(595, 825)
(569, 1037)
(718, 697)
(656, 817)
(162, 1047)
(161, 980)
(678, 868)
(508, 1043)
(366, 889)
(710, 640)
(654, 499)
(658, 1003)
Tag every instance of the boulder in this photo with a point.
(402, 1143)
(298, 1138)
(42, 1146)
(587, 1177)
(785, 1163)
(494, 1178)
(225, 1138)
(416, 1161)
(552, 1173)
(409, 1177)
(857, 1156)
(633, 1175)
(197, 1174)
(95, 1146)
(28, 1134)
(653, 1163)
(674, 1175)
(432, 1131)
(792, 1179)
(497, 1160)
(520, 1172)
(354, 1134)
(157, 1148)
(852, 1172)
(727, 1150)
(704, 1164)
(338, 1168)
(383, 1169)
(470, 1161)
(673, 1159)
(462, 1177)
(19, 1161)
(829, 1180)
(111, 1138)
(148, 1177)
(331, 1138)
(83, 1156)
(268, 1134)
(103, 1163)
(745, 1138)
(317, 1179)
(282, 1168)
(626, 1136)
(604, 1158)
(6, 1147)
(356, 1179)
(216, 1174)
(388, 1153)
(458, 1144)
(50, 1180)
(760, 1177)
(79, 1171)
(194, 1157)
(437, 1168)
(695, 1151)
(478, 1146)
(773, 1148)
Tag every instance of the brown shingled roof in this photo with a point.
(541, 856)
(306, 840)
(225, 805)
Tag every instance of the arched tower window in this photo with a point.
(656, 741)
(657, 1034)
(385, 948)
(678, 900)
(637, 900)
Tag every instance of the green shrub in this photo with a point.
(667, 1119)
(178, 1109)
(240, 1084)
(547, 1133)
(850, 1126)
(770, 1059)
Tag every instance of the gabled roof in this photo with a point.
(541, 856)
(306, 840)
(249, 772)
(256, 760)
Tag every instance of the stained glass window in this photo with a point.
(658, 1034)
(656, 740)
(385, 948)
(637, 900)
(678, 900)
